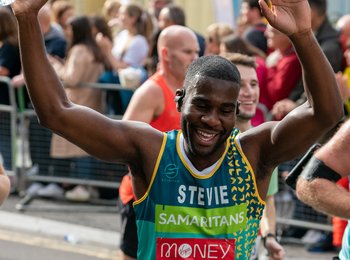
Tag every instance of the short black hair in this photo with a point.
(213, 66)
(176, 14)
(319, 5)
(253, 3)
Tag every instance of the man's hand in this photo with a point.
(20, 7)
(274, 249)
(288, 16)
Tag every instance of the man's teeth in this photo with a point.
(206, 135)
(247, 103)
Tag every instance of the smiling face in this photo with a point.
(208, 117)
(249, 92)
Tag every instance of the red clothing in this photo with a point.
(259, 117)
(167, 121)
(281, 78)
(339, 224)
(126, 192)
(170, 118)
(343, 40)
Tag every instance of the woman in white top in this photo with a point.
(131, 45)
(129, 51)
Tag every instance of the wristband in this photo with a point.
(266, 236)
(317, 169)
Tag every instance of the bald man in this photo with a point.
(153, 103)
(177, 48)
(343, 24)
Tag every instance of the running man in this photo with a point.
(202, 186)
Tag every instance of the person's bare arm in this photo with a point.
(4, 185)
(322, 194)
(268, 226)
(146, 103)
(100, 136)
(302, 127)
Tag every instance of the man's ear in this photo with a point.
(164, 52)
(179, 96)
(237, 108)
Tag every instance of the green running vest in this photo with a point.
(187, 216)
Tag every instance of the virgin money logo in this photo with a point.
(195, 249)
(185, 251)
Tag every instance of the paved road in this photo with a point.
(96, 216)
(16, 245)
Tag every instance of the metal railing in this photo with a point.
(8, 126)
(45, 169)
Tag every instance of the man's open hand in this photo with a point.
(288, 16)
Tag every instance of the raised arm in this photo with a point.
(321, 192)
(303, 126)
(101, 137)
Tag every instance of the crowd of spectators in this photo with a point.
(120, 45)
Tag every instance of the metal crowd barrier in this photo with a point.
(295, 218)
(45, 169)
(8, 118)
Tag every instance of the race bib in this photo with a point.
(195, 249)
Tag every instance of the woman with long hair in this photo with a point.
(85, 63)
(129, 51)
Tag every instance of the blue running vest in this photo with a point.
(188, 216)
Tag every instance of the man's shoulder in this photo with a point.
(158, 80)
(327, 33)
(150, 88)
